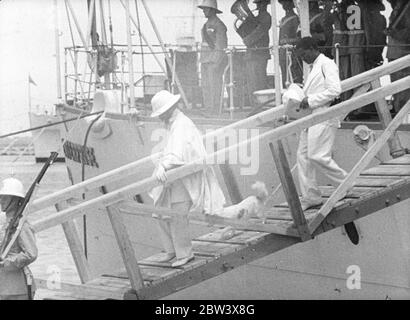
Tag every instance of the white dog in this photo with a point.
(252, 206)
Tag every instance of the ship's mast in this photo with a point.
(57, 44)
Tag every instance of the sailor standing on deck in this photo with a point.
(398, 35)
(199, 192)
(292, 71)
(213, 57)
(314, 153)
(15, 277)
(257, 54)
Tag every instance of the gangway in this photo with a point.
(371, 190)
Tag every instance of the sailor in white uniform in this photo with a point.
(314, 153)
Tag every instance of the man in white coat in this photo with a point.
(314, 153)
(199, 192)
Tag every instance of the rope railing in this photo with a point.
(240, 48)
(48, 125)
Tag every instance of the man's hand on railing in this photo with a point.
(304, 104)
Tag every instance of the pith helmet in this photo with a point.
(210, 4)
(12, 187)
(163, 101)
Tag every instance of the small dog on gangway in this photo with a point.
(251, 207)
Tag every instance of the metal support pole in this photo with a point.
(147, 43)
(29, 94)
(90, 22)
(278, 83)
(76, 75)
(65, 76)
(123, 87)
(337, 54)
(167, 57)
(231, 84)
(174, 66)
(57, 44)
(130, 62)
(85, 44)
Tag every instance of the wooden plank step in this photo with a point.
(355, 193)
(388, 170)
(271, 243)
(63, 295)
(215, 247)
(402, 160)
(374, 181)
(240, 237)
(284, 214)
(284, 205)
(110, 282)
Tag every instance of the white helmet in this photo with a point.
(162, 102)
(12, 187)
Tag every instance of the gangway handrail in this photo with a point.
(256, 120)
(198, 165)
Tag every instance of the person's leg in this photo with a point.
(306, 171)
(261, 74)
(206, 86)
(180, 230)
(320, 143)
(165, 235)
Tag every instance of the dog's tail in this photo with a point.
(260, 191)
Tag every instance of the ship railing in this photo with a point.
(79, 86)
(367, 90)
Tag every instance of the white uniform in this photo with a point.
(197, 192)
(314, 153)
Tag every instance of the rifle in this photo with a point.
(14, 228)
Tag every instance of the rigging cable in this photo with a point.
(142, 52)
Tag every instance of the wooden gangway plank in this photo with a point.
(215, 256)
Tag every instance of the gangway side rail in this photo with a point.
(178, 173)
(254, 121)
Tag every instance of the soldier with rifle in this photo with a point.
(14, 268)
(17, 241)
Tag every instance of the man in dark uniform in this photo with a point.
(349, 33)
(321, 28)
(398, 35)
(374, 27)
(288, 36)
(257, 44)
(213, 57)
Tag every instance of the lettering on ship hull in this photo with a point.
(80, 154)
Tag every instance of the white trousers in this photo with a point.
(175, 236)
(315, 154)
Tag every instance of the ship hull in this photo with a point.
(50, 138)
(319, 269)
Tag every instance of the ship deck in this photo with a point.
(375, 189)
